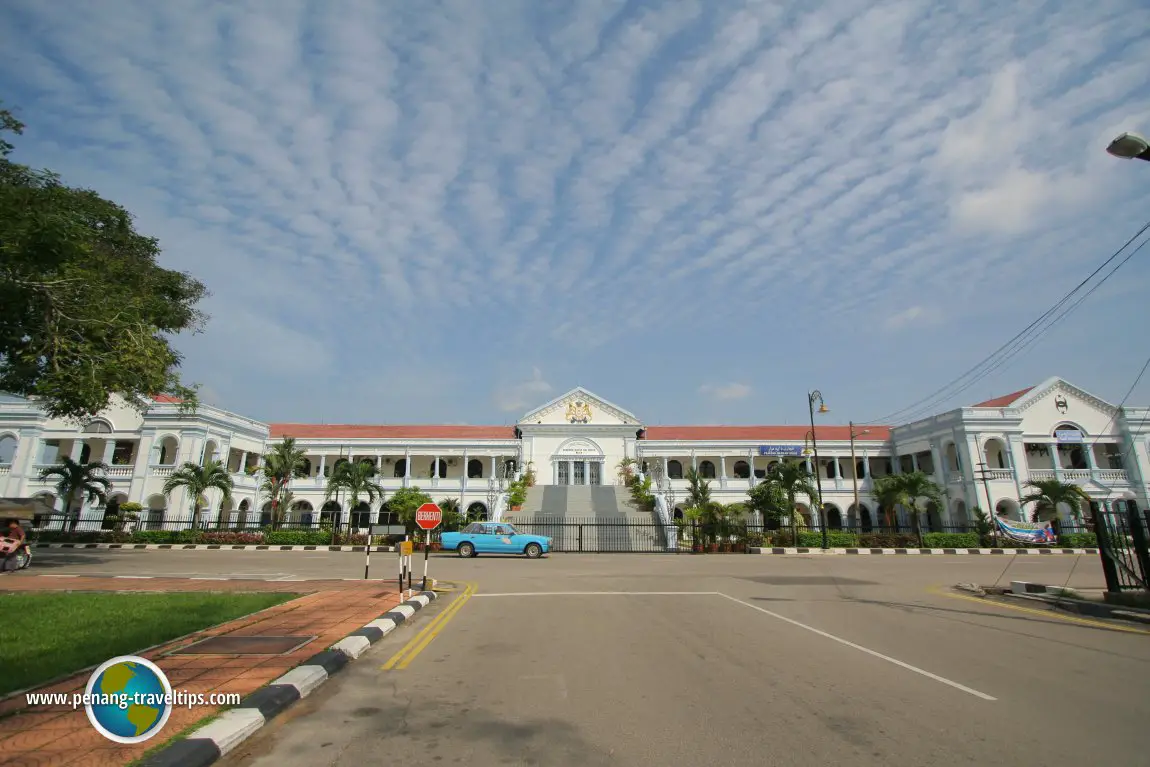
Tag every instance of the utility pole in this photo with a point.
(982, 472)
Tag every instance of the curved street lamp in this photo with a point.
(812, 397)
(1130, 146)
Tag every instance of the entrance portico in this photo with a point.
(578, 461)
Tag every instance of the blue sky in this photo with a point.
(452, 212)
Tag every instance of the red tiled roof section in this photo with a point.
(358, 431)
(763, 433)
(166, 399)
(1006, 400)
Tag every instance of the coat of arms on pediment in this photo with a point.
(578, 411)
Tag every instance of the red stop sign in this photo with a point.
(428, 516)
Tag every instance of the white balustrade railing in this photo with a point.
(162, 471)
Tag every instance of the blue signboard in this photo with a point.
(1068, 435)
(780, 450)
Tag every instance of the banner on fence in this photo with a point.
(1027, 532)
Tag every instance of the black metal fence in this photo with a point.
(318, 530)
(1123, 537)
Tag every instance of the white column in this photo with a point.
(694, 460)
(494, 473)
(750, 468)
(554, 472)
(463, 478)
(665, 460)
(406, 466)
(435, 467)
(723, 468)
(77, 447)
(109, 451)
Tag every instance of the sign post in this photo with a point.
(428, 517)
(404, 566)
(373, 531)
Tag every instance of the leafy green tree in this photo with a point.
(405, 502)
(77, 480)
(87, 310)
(197, 481)
(1047, 494)
(769, 499)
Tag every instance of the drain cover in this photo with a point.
(244, 645)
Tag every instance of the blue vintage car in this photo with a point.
(494, 538)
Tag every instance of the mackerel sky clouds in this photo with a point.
(452, 212)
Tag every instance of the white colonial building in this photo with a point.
(982, 455)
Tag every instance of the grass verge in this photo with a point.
(47, 635)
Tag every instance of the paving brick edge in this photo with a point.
(914, 552)
(207, 744)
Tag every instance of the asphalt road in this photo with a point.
(765, 661)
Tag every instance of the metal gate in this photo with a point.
(1122, 545)
(593, 535)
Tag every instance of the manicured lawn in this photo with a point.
(49, 634)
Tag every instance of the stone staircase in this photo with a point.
(588, 518)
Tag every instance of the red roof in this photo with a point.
(763, 433)
(1004, 401)
(166, 399)
(357, 431)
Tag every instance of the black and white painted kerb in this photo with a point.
(915, 552)
(209, 743)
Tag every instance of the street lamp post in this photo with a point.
(1130, 146)
(855, 463)
(811, 398)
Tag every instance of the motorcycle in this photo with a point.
(14, 555)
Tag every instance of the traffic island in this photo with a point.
(334, 623)
(206, 745)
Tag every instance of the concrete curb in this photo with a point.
(914, 552)
(1054, 596)
(207, 744)
(209, 547)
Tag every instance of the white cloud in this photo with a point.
(388, 187)
(917, 315)
(524, 394)
(729, 391)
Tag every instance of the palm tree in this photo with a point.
(77, 480)
(906, 490)
(794, 480)
(282, 463)
(627, 470)
(197, 481)
(358, 480)
(887, 493)
(1049, 493)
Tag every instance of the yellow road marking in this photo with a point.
(1043, 613)
(420, 641)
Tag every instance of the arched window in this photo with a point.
(400, 468)
(475, 469)
(742, 470)
(97, 427)
(674, 469)
(832, 466)
(707, 470)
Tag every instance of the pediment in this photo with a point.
(1057, 402)
(578, 407)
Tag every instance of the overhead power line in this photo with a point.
(1025, 337)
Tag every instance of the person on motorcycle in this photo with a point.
(15, 532)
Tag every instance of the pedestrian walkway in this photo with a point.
(51, 736)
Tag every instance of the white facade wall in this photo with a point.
(580, 427)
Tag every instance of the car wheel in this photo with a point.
(533, 551)
(466, 550)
